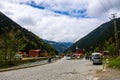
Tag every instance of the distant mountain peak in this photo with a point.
(59, 46)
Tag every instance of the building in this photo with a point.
(35, 53)
(24, 54)
(80, 51)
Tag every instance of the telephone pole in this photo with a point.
(115, 32)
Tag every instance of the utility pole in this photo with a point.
(116, 33)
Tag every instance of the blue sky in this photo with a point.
(77, 13)
(60, 20)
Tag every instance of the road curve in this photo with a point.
(60, 70)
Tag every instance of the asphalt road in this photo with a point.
(60, 70)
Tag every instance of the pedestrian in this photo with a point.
(49, 60)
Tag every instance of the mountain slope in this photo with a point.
(97, 37)
(59, 46)
(14, 37)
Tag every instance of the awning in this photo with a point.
(76, 54)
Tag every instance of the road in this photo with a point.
(60, 70)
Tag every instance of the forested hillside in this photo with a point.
(102, 38)
(14, 38)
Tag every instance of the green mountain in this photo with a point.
(101, 38)
(59, 46)
(14, 38)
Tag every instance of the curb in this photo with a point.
(24, 67)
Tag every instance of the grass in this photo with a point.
(7, 64)
(114, 63)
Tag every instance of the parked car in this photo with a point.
(94, 54)
(18, 56)
(68, 57)
(97, 59)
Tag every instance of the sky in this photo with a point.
(60, 20)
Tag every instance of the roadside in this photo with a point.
(108, 74)
(61, 70)
(28, 65)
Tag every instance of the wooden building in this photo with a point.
(35, 53)
(24, 54)
(80, 51)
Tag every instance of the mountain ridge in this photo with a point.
(98, 37)
(59, 46)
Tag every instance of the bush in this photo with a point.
(16, 62)
(118, 58)
(3, 64)
(114, 63)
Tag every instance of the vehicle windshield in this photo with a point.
(97, 56)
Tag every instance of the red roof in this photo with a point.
(76, 54)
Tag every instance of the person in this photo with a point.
(90, 58)
(49, 60)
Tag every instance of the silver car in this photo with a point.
(97, 59)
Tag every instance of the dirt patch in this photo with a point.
(108, 74)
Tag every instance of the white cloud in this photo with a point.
(58, 27)
(103, 8)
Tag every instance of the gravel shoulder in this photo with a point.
(60, 70)
(108, 74)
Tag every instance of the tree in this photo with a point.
(9, 46)
(111, 49)
(97, 49)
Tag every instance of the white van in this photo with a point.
(96, 58)
(95, 54)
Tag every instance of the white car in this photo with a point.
(68, 57)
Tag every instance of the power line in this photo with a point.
(115, 25)
(105, 10)
(110, 4)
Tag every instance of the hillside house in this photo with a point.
(24, 54)
(35, 53)
(80, 51)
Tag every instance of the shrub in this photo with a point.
(114, 63)
(16, 62)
